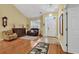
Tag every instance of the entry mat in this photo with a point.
(40, 48)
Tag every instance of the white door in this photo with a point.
(73, 30)
(50, 26)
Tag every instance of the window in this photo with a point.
(35, 23)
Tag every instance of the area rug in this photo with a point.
(29, 37)
(40, 48)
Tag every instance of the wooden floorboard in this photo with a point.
(55, 49)
(23, 46)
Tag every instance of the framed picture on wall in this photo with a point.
(4, 21)
(61, 24)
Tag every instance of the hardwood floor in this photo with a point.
(55, 49)
(23, 46)
(18, 46)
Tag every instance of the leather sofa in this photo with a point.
(33, 32)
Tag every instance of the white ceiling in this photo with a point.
(33, 10)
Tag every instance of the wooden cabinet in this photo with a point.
(19, 31)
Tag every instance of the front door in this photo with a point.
(50, 26)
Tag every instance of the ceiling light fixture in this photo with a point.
(50, 14)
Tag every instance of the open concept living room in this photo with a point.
(39, 28)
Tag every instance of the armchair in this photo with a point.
(9, 35)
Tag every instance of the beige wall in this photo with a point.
(14, 17)
(41, 25)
